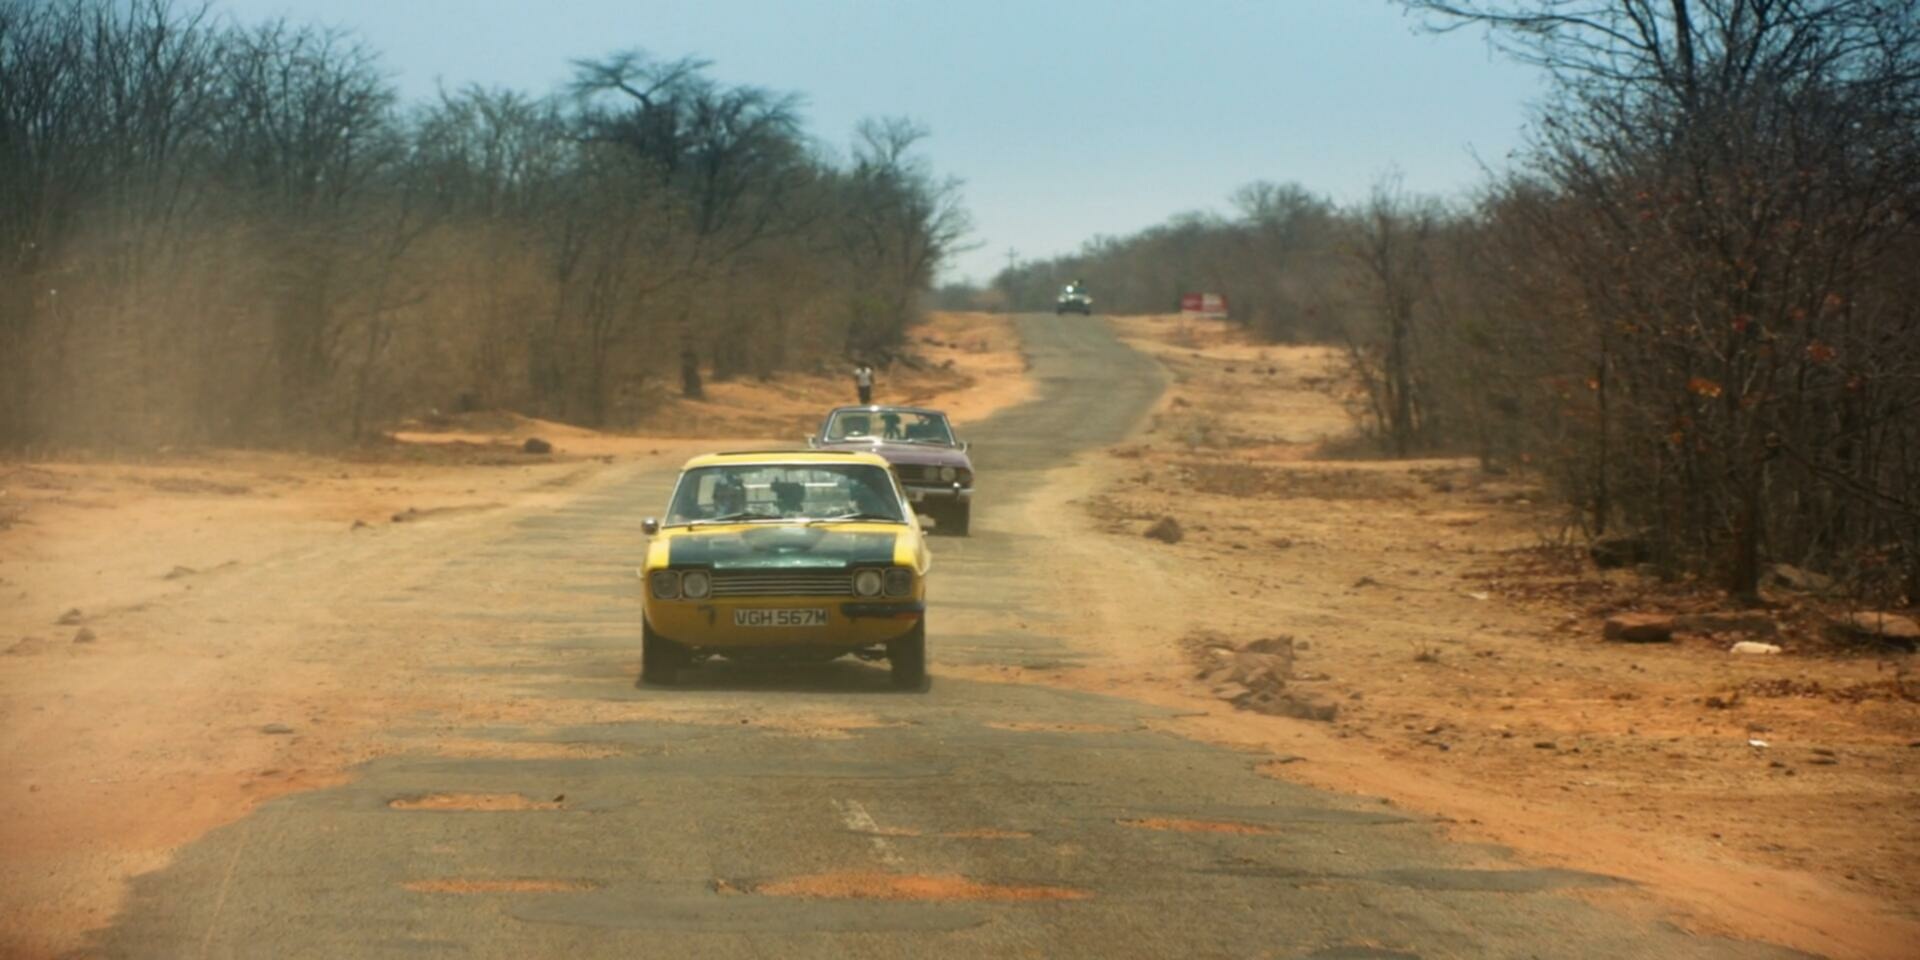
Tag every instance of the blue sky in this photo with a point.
(1066, 119)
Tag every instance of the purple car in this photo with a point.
(931, 462)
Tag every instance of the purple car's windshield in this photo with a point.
(893, 426)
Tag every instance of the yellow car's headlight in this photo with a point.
(665, 584)
(867, 583)
(899, 582)
(696, 584)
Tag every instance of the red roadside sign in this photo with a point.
(1205, 304)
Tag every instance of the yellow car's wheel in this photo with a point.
(660, 658)
(907, 658)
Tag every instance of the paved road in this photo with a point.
(675, 839)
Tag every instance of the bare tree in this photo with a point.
(901, 224)
(1393, 246)
(1737, 177)
(1287, 234)
(728, 156)
(223, 232)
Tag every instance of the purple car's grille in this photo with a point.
(782, 583)
(930, 474)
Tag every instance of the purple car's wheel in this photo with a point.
(959, 516)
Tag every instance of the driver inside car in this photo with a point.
(868, 500)
(729, 496)
(789, 496)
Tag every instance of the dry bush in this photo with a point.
(1708, 300)
(1249, 481)
(220, 233)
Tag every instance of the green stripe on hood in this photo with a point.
(782, 548)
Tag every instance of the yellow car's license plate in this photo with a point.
(804, 617)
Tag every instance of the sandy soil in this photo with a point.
(968, 364)
(151, 689)
(1458, 646)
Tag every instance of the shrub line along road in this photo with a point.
(815, 812)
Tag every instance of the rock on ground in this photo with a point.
(1793, 578)
(1880, 626)
(1639, 627)
(1757, 622)
(1254, 676)
(1165, 530)
(1619, 551)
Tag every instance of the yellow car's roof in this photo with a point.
(786, 456)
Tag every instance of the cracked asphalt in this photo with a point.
(975, 820)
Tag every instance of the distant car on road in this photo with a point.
(1073, 298)
(920, 443)
(804, 555)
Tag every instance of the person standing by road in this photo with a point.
(863, 379)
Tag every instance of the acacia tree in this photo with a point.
(900, 223)
(303, 133)
(727, 158)
(496, 167)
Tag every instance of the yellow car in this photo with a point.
(806, 555)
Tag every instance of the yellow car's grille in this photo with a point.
(782, 583)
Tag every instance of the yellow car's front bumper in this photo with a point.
(849, 623)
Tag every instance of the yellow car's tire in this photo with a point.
(660, 658)
(907, 659)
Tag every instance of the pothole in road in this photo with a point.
(1196, 826)
(923, 887)
(523, 750)
(1360, 953)
(518, 885)
(485, 802)
(982, 833)
(1021, 727)
(985, 833)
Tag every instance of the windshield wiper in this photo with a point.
(890, 518)
(733, 518)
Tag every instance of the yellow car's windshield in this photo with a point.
(811, 491)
